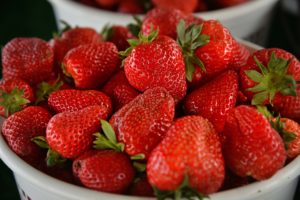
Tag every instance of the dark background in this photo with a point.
(35, 18)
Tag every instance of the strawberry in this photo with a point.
(202, 6)
(19, 128)
(189, 158)
(89, 2)
(74, 100)
(208, 46)
(251, 146)
(122, 95)
(117, 35)
(72, 38)
(141, 187)
(233, 181)
(111, 171)
(228, 3)
(107, 4)
(71, 133)
(269, 72)
(131, 6)
(92, 64)
(215, 99)
(164, 20)
(187, 6)
(142, 123)
(15, 95)
(29, 59)
(240, 56)
(156, 61)
(290, 133)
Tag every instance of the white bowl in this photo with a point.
(248, 21)
(39, 186)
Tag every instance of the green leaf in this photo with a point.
(44, 89)
(53, 158)
(259, 98)
(196, 61)
(264, 110)
(254, 75)
(139, 156)
(258, 88)
(107, 32)
(180, 31)
(140, 167)
(41, 142)
(189, 69)
(262, 68)
(108, 131)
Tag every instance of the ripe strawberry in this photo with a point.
(71, 133)
(74, 100)
(251, 146)
(19, 128)
(269, 72)
(107, 4)
(202, 6)
(228, 3)
(15, 95)
(92, 64)
(111, 171)
(240, 56)
(142, 123)
(215, 99)
(187, 6)
(122, 95)
(29, 59)
(72, 38)
(117, 35)
(156, 62)
(131, 6)
(190, 154)
(164, 20)
(211, 49)
(141, 187)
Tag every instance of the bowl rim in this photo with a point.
(19, 167)
(223, 13)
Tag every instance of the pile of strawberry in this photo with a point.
(175, 108)
(142, 6)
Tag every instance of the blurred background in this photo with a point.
(35, 18)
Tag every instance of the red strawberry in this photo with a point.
(92, 64)
(187, 6)
(156, 62)
(240, 56)
(74, 100)
(251, 146)
(15, 95)
(228, 3)
(130, 6)
(71, 133)
(202, 6)
(118, 79)
(190, 155)
(19, 128)
(73, 38)
(211, 49)
(111, 171)
(107, 4)
(233, 181)
(117, 35)
(29, 59)
(141, 187)
(215, 99)
(122, 95)
(269, 72)
(142, 123)
(164, 20)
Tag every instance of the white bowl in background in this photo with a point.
(38, 186)
(249, 21)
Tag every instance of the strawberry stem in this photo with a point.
(107, 32)
(140, 167)
(44, 89)
(135, 28)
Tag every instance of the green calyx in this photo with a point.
(64, 29)
(142, 39)
(44, 89)
(183, 192)
(108, 140)
(264, 110)
(106, 32)
(12, 101)
(271, 80)
(140, 167)
(135, 27)
(53, 158)
(190, 39)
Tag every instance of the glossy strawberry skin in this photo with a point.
(108, 4)
(264, 56)
(130, 6)
(157, 64)
(19, 128)
(240, 56)
(122, 95)
(73, 38)
(192, 148)
(71, 133)
(215, 99)
(74, 100)
(111, 171)
(119, 36)
(142, 123)
(29, 59)
(215, 55)
(91, 65)
(9, 85)
(118, 79)
(228, 3)
(251, 146)
(165, 20)
(185, 6)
